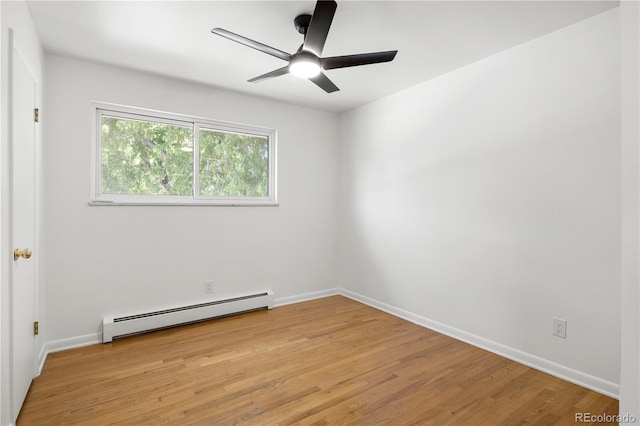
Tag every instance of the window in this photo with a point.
(148, 157)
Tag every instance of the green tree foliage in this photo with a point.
(150, 158)
(233, 164)
(142, 157)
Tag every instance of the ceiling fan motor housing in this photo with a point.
(302, 23)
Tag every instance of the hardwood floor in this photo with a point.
(326, 361)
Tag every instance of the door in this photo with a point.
(23, 231)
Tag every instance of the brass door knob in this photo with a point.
(26, 253)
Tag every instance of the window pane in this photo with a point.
(146, 158)
(233, 165)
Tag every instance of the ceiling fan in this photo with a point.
(307, 61)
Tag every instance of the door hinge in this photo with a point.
(36, 114)
(35, 328)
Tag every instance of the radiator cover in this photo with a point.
(148, 321)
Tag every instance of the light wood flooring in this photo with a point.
(323, 362)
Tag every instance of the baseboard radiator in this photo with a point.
(144, 322)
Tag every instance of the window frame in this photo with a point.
(97, 198)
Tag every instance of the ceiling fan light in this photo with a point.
(304, 66)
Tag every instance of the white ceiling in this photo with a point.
(173, 38)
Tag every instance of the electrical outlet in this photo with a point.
(560, 327)
(208, 287)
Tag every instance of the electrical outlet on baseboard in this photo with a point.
(208, 287)
(559, 327)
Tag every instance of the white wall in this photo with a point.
(487, 201)
(630, 125)
(110, 260)
(15, 16)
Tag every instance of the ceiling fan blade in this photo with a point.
(252, 43)
(274, 73)
(324, 83)
(355, 60)
(319, 26)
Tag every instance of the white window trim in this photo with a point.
(195, 123)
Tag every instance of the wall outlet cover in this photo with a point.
(559, 327)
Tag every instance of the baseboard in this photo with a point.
(306, 296)
(42, 357)
(560, 371)
(91, 339)
(64, 344)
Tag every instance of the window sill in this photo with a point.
(200, 203)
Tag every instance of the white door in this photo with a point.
(23, 223)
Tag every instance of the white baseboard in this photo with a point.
(306, 296)
(92, 339)
(73, 342)
(42, 357)
(560, 371)
(64, 344)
